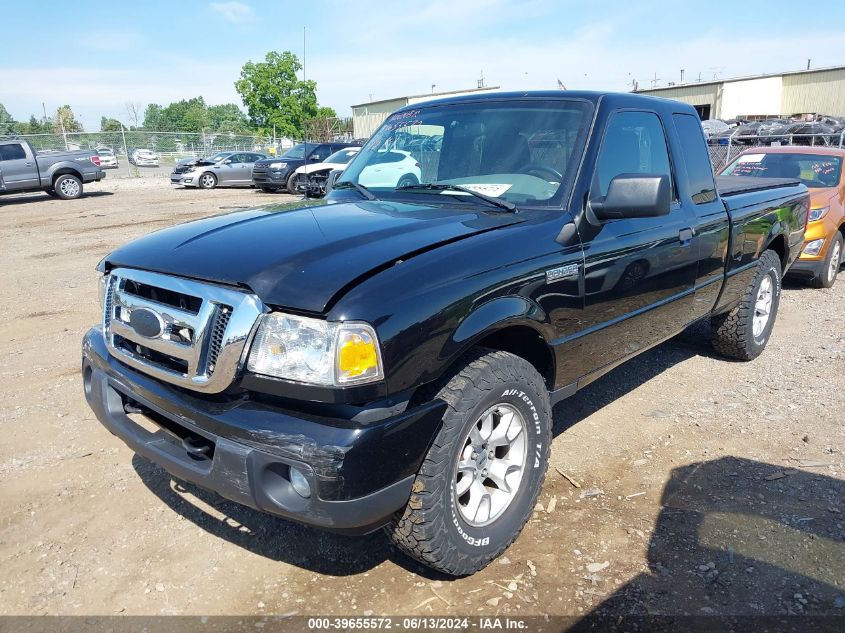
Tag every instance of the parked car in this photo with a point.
(391, 358)
(108, 159)
(311, 178)
(60, 174)
(713, 127)
(391, 168)
(276, 174)
(224, 169)
(143, 158)
(820, 169)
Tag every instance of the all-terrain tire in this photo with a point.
(431, 528)
(732, 333)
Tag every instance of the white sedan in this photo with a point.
(316, 173)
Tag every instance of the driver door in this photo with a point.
(639, 273)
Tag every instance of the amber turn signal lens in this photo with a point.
(358, 356)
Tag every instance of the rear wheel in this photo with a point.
(743, 332)
(832, 263)
(481, 477)
(68, 187)
(208, 181)
(408, 180)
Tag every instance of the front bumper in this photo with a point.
(806, 268)
(359, 473)
(270, 178)
(185, 180)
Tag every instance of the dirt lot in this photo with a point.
(705, 486)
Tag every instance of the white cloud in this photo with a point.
(233, 11)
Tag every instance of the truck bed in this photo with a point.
(734, 185)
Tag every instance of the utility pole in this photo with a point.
(682, 75)
(125, 149)
(304, 134)
(655, 80)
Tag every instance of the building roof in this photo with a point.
(432, 95)
(745, 78)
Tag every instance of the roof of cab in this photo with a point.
(620, 99)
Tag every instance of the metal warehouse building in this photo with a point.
(817, 91)
(366, 117)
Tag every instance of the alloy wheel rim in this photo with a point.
(490, 465)
(207, 181)
(835, 261)
(69, 187)
(763, 305)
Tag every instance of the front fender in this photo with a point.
(490, 317)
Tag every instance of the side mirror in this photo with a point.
(228, 161)
(314, 158)
(634, 196)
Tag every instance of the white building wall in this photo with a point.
(751, 97)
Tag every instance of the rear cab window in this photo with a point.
(702, 188)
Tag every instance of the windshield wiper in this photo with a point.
(433, 186)
(348, 184)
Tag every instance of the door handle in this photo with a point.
(685, 236)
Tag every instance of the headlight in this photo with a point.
(315, 351)
(813, 248)
(278, 165)
(817, 214)
(102, 285)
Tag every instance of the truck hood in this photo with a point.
(304, 257)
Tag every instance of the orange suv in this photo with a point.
(820, 168)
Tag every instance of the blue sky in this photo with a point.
(99, 56)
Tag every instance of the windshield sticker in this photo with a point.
(488, 189)
(751, 158)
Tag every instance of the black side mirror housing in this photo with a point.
(634, 196)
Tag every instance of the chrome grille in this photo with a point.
(215, 343)
(202, 329)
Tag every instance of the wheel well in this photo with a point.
(65, 171)
(778, 245)
(524, 342)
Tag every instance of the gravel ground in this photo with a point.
(680, 483)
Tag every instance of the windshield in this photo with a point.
(342, 157)
(217, 157)
(297, 151)
(814, 170)
(105, 152)
(522, 152)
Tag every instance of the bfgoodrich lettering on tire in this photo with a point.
(481, 477)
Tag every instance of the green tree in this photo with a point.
(228, 117)
(152, 117)
(65, 121)
(110, 125)
(7, 123)
(274, 95)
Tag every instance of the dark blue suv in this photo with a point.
(275, 174)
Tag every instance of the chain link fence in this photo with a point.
(168, 145)
(725, 149)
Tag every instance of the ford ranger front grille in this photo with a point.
(184, 332)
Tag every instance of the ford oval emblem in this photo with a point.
(146, 322)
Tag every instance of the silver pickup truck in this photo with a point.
(60, 174)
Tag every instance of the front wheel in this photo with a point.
(481, 477)
(830, 268)
(207, 181)
(291, 186)
(68, 187)
(408, 180)
(743, 332)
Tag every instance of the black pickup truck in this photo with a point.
(390, 357)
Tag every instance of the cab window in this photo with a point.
(634, 143)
